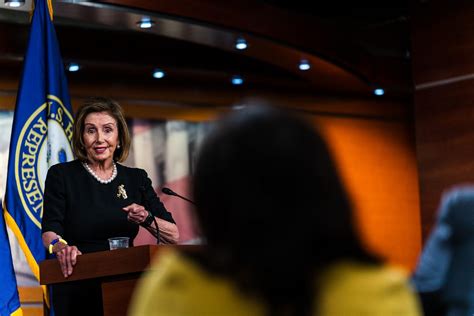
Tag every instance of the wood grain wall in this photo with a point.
(443, 73)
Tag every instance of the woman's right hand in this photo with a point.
(67, 257)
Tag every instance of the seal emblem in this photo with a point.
(45, 140)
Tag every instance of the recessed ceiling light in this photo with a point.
(304, 65)
(237, 107)
(158, 73)
(237, 80)
(14, 3)
(145, 23)
(241, 43)
(73, 67)
(379, 91)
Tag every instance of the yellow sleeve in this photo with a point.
(175, 286)
(154, 294)
(357, 289)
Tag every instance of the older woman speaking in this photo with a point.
(93, 198)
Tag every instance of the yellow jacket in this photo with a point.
(176, 286)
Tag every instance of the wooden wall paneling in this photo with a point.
(445, 137)
(442, 42)
(443, 71)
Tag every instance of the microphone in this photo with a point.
(168, 191)
(147, 206)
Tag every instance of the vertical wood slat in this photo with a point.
(442, 50)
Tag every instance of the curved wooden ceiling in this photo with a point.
(194, 42)
(293, 32)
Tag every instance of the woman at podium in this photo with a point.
(93, 198)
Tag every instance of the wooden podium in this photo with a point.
(118, 271)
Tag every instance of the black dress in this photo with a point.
(86, 213)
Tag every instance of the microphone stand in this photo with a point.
(168, 191)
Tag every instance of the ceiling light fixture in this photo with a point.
(241, 43)
(237, 107)
(158, 73)
(304, 65)
(145, 23)
(237, 80)
(14, 3)
(379, 91)
(73, 67)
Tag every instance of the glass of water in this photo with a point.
(118, 242)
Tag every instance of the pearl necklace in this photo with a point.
(112, 177)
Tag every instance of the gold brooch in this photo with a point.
(121, 192)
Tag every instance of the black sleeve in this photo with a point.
(54, 202)
(155, 206)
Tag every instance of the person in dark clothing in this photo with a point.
(444, 277)
(93, 198)
(278, 225)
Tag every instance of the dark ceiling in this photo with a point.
(351, 49)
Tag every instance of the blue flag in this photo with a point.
(9, 301)
(41, 136)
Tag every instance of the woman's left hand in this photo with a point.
(67, 257)
(136, 213)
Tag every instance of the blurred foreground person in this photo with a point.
(278, 225)
(444, 277)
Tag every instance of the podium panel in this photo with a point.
(117, 270)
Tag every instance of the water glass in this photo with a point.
(118, 242)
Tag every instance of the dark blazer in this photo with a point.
(86, 212)
(444, 277)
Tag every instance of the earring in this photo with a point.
(118, 146)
